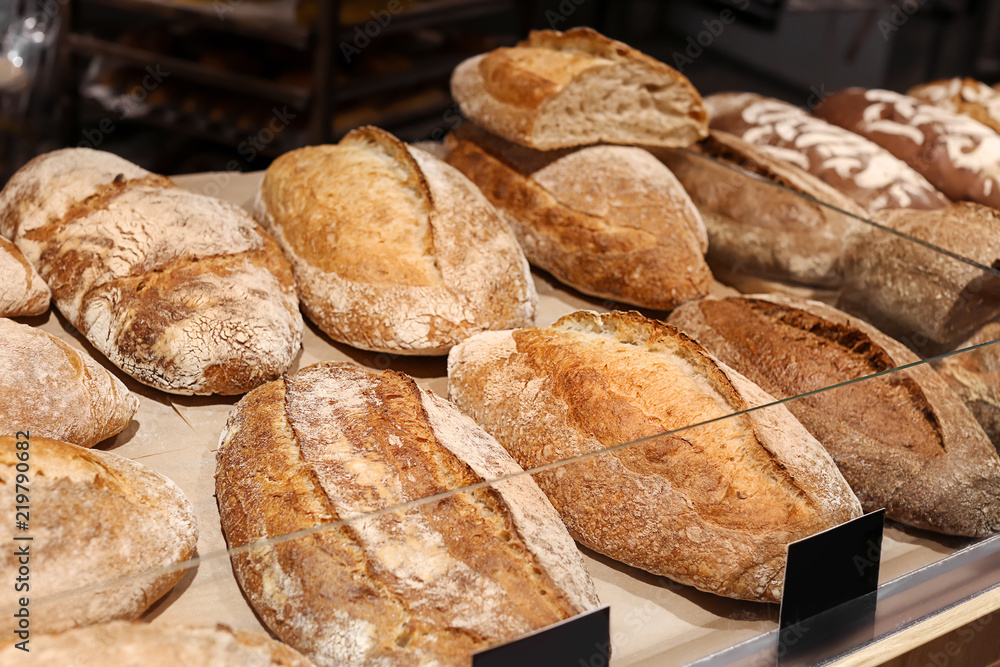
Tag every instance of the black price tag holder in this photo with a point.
(583, 639)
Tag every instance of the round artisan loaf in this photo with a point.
(124, 644)
(183, 292)
(108, 534)
(57, 392)
(427, 583)
(22, 290)
(393, 250)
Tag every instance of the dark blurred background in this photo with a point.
(205, 85)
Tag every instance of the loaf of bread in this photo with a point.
(22, 290)
(393, 250)
(964, 96)
(426, 583)
(956, 154)
(918, 294)
(124, 644)
(181, 291)
(610, 221)
(713, 506)
(764, 226)
(564, 89)
(862, 170)
(903, 441)
(54, 391)
(975, 377)
(108, 534)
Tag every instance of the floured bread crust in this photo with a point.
(425, 585)
(57, 392)
(96, 519)
(181, 291)
(609, 221)
(965, 96)
(975, 376)
(564, 89)
(713, 506)
(22, 290)
(903, 441)
(393, 250)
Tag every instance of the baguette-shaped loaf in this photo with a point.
(857, 167)
(903, 441)
(393, 250)
(975, 376)
(920, 295)
(956, 154)
(124, 644)
(181, 291)
(713, 506)
(427, 584)
(610, 221)
(57, 392)
(962, 95)
(22, 290)
(564, 89)
(756, 227)
(103, 528)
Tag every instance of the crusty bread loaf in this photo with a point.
(393, 250)
(919, 295)
(56, 392)
(104, 529)
(712, 506)
(962, 95)
(563, 89)
(903, 441)
(956, 154)
(610, 221)
(181, 291)
(426, 584)
(975, 377)
(755, 226)
(862, 170)
(22, 290)
(124, 644)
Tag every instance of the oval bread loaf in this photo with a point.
(903, 441)
(57, 392)
(181, 291)
(425, 584)
(104, 530)
(22, 290)
(713, 506)
(393, 250)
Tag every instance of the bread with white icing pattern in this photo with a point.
(22, 290)
(962, 95)
(429, 583)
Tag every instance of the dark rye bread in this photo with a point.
(426, 585)
(975, 376)
(857, 167)
(609, 221)
(764, 227)
(904, 441)
(713, 506)
(183, 292)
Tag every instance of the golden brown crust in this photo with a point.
(903, 441)
(711, 506)
(22, 290)
(962, 95)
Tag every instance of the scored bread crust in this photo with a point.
(713, 506)
(429, 584)
(183, 292)
(607, 220)
(755, 227)
(449, 268)
(975, 377)
(98, 521)
(133, 644)
(563, 89)
(903, 441)
(962, 95)
(57, 392)
(22, 290)
(861, 169)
